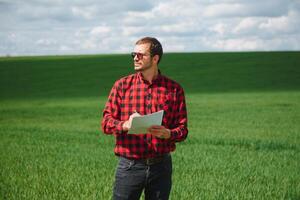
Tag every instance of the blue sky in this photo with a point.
(55, 27)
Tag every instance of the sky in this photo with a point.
(59, 27)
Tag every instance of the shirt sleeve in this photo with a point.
(179, 133)
(111, 123)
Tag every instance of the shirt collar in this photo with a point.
(141, 78)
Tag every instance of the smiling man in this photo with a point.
(144, 158)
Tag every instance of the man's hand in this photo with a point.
(127, 124)
(160, 132)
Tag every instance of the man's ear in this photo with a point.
(156, 58)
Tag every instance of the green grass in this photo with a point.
(93, 76)
(244, 130)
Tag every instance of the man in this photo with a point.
(144, 158)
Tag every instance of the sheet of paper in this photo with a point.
(140, 124)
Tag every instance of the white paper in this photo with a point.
(140, 124)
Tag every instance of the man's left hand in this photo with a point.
(160, 132)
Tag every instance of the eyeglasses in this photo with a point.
(139, 55)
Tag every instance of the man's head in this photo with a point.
(155, 46)
(147, 53)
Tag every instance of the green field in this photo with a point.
(244, 130)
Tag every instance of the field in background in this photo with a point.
(244, 130)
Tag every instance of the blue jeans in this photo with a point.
(132, 177)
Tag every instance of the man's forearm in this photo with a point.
(111, 125)
(179, 134)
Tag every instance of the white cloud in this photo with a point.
(46, 42)
(223, 9)
(132, 30)
(246, 25)
(219, 28)
(237, 44)
(86, 13)
(64, 48)
(100, 31)
(275, 24)
(240, 8)
(93, 26)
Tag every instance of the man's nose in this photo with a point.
(136, 57)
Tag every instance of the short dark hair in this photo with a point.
(155, 46)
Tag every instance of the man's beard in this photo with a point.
(145, 67)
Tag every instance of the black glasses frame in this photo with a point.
(139, 55)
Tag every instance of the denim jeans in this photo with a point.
(133, 177)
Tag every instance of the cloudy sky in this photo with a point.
(40, 27)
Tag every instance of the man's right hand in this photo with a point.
(127, 124)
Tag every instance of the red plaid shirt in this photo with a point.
(134, 93)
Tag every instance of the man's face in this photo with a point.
(142, 59)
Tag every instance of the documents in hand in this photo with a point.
(140, 124)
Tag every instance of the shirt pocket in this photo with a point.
(167, 103)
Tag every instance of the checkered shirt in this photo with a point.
(134, 93)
